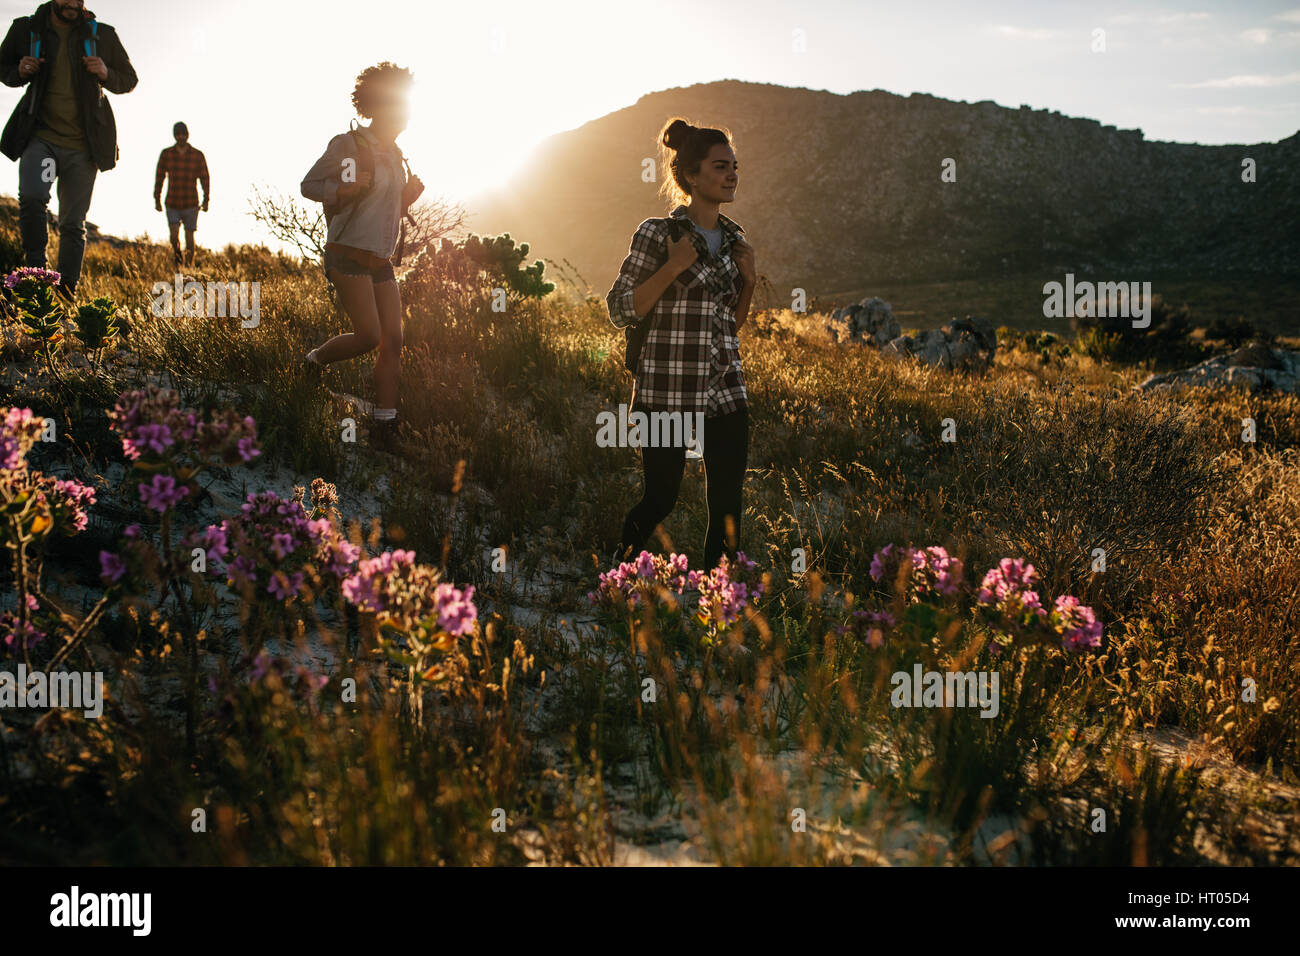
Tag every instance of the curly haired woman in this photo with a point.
(361, 180)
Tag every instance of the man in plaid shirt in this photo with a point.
(182, 166)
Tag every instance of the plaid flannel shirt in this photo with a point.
(690, 361)
(182, 170)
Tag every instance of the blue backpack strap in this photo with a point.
(92, 44)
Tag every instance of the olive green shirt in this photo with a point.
(60, 114)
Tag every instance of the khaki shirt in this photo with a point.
(60, 113)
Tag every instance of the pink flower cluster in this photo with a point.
(1009, 600)
(1076, 623)
(41, 503)
(162, 492)
(409, 596)
(32, 274)
(727, 590)
(1006, 598)
(153, 427)
(135, 561)
(1009, 589)
(111, 567)
(633, 580)
(70, 503)
(273, 540)
(724, 593)
(933, 570)
(19, 636)
(19, 431)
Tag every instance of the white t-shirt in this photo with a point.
(712, 237)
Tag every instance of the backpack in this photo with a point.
(34, 49)
(366, 164)
(634, 335)
(91, 45)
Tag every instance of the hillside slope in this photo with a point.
(842, 191)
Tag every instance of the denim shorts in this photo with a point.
(188, 216)
(350, 267)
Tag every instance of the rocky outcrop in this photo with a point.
(825, 216)
(869, 322)
(968, 344)
(1253, 367)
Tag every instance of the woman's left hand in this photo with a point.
(742, 253)
(414, 189)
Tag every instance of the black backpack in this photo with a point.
(635, 334)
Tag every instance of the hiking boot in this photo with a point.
(312, 372)
(616, 554)
(65, 293)
(386, 436)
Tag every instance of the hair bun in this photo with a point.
(678, 133)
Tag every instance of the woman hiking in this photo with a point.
(361, 180)
(686, 284)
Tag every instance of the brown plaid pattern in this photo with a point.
(691, 358)
(182, 170)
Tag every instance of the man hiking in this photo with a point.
(63, 128)
(182, 166)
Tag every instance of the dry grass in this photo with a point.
(1051, 460)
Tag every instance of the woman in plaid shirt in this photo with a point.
(692, 295)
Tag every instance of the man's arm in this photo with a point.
(12, 50)
(159, 176)
(204, 180)
(121, 74)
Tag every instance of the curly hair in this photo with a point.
(372, 83)
(682, 148)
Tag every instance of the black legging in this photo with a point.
(726, 450)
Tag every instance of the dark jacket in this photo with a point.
(96, 115)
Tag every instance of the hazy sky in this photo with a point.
(263, 85)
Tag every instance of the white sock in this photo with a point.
(385, 414)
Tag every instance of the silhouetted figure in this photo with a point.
(182, 166)
(362, 182)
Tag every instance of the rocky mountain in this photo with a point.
(838, 192)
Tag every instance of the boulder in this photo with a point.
(869, 322)
(985, 334)
(967, 344)
(1254, 367)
